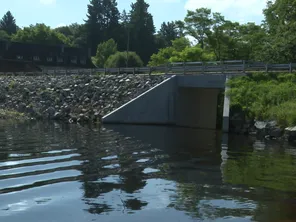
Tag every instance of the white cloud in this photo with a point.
(236, 10)
(47, 2)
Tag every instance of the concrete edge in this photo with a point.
(226, 108)
(159, 84)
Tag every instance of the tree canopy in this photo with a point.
(214, 36)
(41, 34)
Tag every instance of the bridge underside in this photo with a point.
(188, 101)
(196, 107)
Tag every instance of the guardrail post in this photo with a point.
(118, 71)
(244, 66)
(290, 67)
(166, 69)
(134, 71)
(149, 71)
(266, 67)
(184, 68)
(222, 66)
(203, 67)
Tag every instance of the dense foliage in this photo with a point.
(266, 96)
(215, 38)
(119, 59)
(41, 34)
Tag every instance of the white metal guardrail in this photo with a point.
(233, 66)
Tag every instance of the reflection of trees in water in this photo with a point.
(103, 144)
(262, 169)
(270, 169)
(196, 171)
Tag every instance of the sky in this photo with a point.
(56, 13)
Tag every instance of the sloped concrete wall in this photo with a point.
(156, 106)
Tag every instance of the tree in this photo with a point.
(41, 34)
(8, 24)
(142, 30)
(104, 51)
(76, 33)
(280, 23)
(4, 35)
(198, 24)
(119, 60)
(180, 51)
(102, 22)
(93, 25)
(168, 32)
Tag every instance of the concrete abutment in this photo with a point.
(187, 101)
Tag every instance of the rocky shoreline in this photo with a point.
(270, 130)
(75, 98)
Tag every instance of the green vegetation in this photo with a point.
(11, 115)
(104, 51)
(212, 36)
(266, 96)
(180, 51)
(119, 59)
(107, 56)
(41, 34)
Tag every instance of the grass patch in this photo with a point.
(266, 96)
(11, 115)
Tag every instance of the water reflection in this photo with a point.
(80, 173)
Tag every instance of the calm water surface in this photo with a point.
(60, 173)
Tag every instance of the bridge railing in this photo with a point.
(212, 67)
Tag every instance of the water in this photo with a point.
(59, 173)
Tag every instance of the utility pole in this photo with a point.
(128, 42)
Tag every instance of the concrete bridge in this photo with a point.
(187, 100)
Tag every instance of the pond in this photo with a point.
(63, 172)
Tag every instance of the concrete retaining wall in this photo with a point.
(156, 106)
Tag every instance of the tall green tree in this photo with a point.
(8, 24)
(168, 32)
(142, 30)
(102, 22)
(93, 24)
(280, 22)
(198, 24)
(111, 17)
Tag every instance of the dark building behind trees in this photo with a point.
(43, 55)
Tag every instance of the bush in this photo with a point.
(119, 60)
(266, 96)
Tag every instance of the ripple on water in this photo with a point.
(50, 170)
